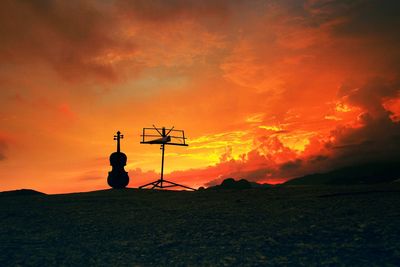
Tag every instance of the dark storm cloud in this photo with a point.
(370, 96)
(159, 10)
(378, 137)
(68, 35)
(377, 140)
(376, 23)
(374, 17)
(358, 17)
(317, 159)
(291, 165)
(75, 37)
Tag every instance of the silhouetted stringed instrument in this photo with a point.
(118, 177)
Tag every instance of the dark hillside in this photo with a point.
(371, 173)
(290, 226)
(20, 192)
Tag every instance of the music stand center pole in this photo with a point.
(162, 164)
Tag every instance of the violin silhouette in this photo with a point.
(118, 177)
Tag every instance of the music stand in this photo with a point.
(165, 137)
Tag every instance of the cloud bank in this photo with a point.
(266, 90)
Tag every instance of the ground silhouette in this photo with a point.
(20, 192)
(289, 226)
(368, 173)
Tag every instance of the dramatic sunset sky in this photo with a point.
(265, 90)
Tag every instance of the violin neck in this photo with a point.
(118, 137)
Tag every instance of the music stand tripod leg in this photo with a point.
(175, 184)
(142, 186)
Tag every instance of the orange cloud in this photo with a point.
(265, 90)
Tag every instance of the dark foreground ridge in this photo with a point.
(290, 226)
(370, 173)
(21, 192)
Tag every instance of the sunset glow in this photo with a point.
(265, 90)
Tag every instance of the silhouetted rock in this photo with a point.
(243, 184)
(201, 188)
(230, 183)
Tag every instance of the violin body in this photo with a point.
(118, 177)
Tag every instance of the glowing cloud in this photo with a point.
(266, 90)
